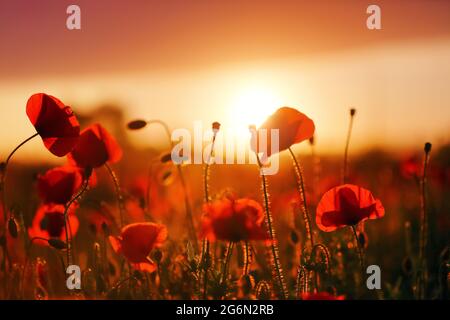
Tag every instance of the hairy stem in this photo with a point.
(301, 190)
(119, 195)
(273, 241)
(360, 250)
(347, 143)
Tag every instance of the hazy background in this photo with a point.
(233, 62)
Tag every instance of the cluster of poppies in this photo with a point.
(227, 218)
(344, 205)
(89, 149)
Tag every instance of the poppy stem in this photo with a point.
(423, 225)
(66, 220)
(3, 169)
(119, 196)
(3, 172)
(347, 143)
(273, 241)
(360, 253)
(189, 216)
(206, 259)
(301, 190)
(247, 258)
(227, 261)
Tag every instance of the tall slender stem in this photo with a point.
(347, 143)
(119, 195)
(226, 262)
(189, 216)
(301, 190)
(423, 224)
(273, 241)
(247, 258)
(66, 219)
(4, 172)
(360, 251)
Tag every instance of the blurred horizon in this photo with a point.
(236, 63)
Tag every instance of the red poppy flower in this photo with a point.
(346, 205)
(321, 296)
(49, 223)
(137, 240)
(58, 185)
(293, 127)
(95, 147)
(234, 220)
(54, 122)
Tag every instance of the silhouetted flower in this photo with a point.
(58, 185)
(95, 148)
(293, 127)
(137, 240)
(54, 122)
(346, 205)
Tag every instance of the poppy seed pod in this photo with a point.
(137, 124)
(352, 112)
(427, 147)
(216, 126)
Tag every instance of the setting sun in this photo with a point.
(252, 106)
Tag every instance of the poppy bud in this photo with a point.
(166, 157)
(137, 124)
(12, 227)
(427, 147)
(363, 239)
(352, 112)
(216, 126)
(57, 243)
(263, 290)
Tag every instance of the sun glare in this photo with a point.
(252, 107)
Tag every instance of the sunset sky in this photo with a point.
(235, 62)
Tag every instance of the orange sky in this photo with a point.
(188, 60)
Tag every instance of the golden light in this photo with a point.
(252, 107)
